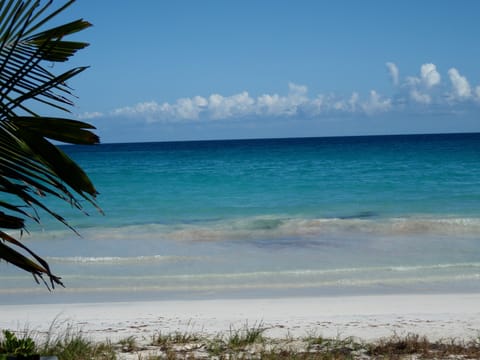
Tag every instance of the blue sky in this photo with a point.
(187, 70)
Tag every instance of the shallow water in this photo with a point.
(383, 214)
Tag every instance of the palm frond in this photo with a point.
(31, 167)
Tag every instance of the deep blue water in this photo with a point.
(269, 216)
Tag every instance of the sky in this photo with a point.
(226, 69)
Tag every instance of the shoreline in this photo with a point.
(366, 317)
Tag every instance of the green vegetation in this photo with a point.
(236, 340)
(128, 344)
(71, 344)
(336, 348)
(31, 167)
(177, 337)
(240, 338)
(245, 343)
(13, 345)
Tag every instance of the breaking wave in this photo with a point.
(278, 227)
(108, 260)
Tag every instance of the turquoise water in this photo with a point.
(383, 214)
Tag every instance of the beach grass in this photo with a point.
(247, 342)
(72, 344)
(239, 338)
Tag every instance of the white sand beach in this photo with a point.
(364, 317)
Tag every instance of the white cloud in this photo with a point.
(238, 105)
(353, 101)
(89, 115)
(297, 93)
(333, 104)
(376, 103)
(425, 89)
(187, 108)
(317, 105)
(421, 88)
(150, 111)
(182, 109)
(393, 71)
(419, 97)
(460, 86)
(429, 74)
(277, 105)
(296, 103)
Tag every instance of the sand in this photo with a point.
(364, 317)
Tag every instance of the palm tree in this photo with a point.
(31, 167)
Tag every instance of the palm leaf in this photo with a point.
(64, 130)
(31, 167)
(14, 257)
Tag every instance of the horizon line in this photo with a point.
(284, 138)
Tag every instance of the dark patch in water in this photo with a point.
(360, 215)
(283, 243)
(265, 224)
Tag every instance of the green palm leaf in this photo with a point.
(31, 167)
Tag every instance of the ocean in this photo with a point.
(265, 218)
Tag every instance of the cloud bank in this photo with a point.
(426, 89)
